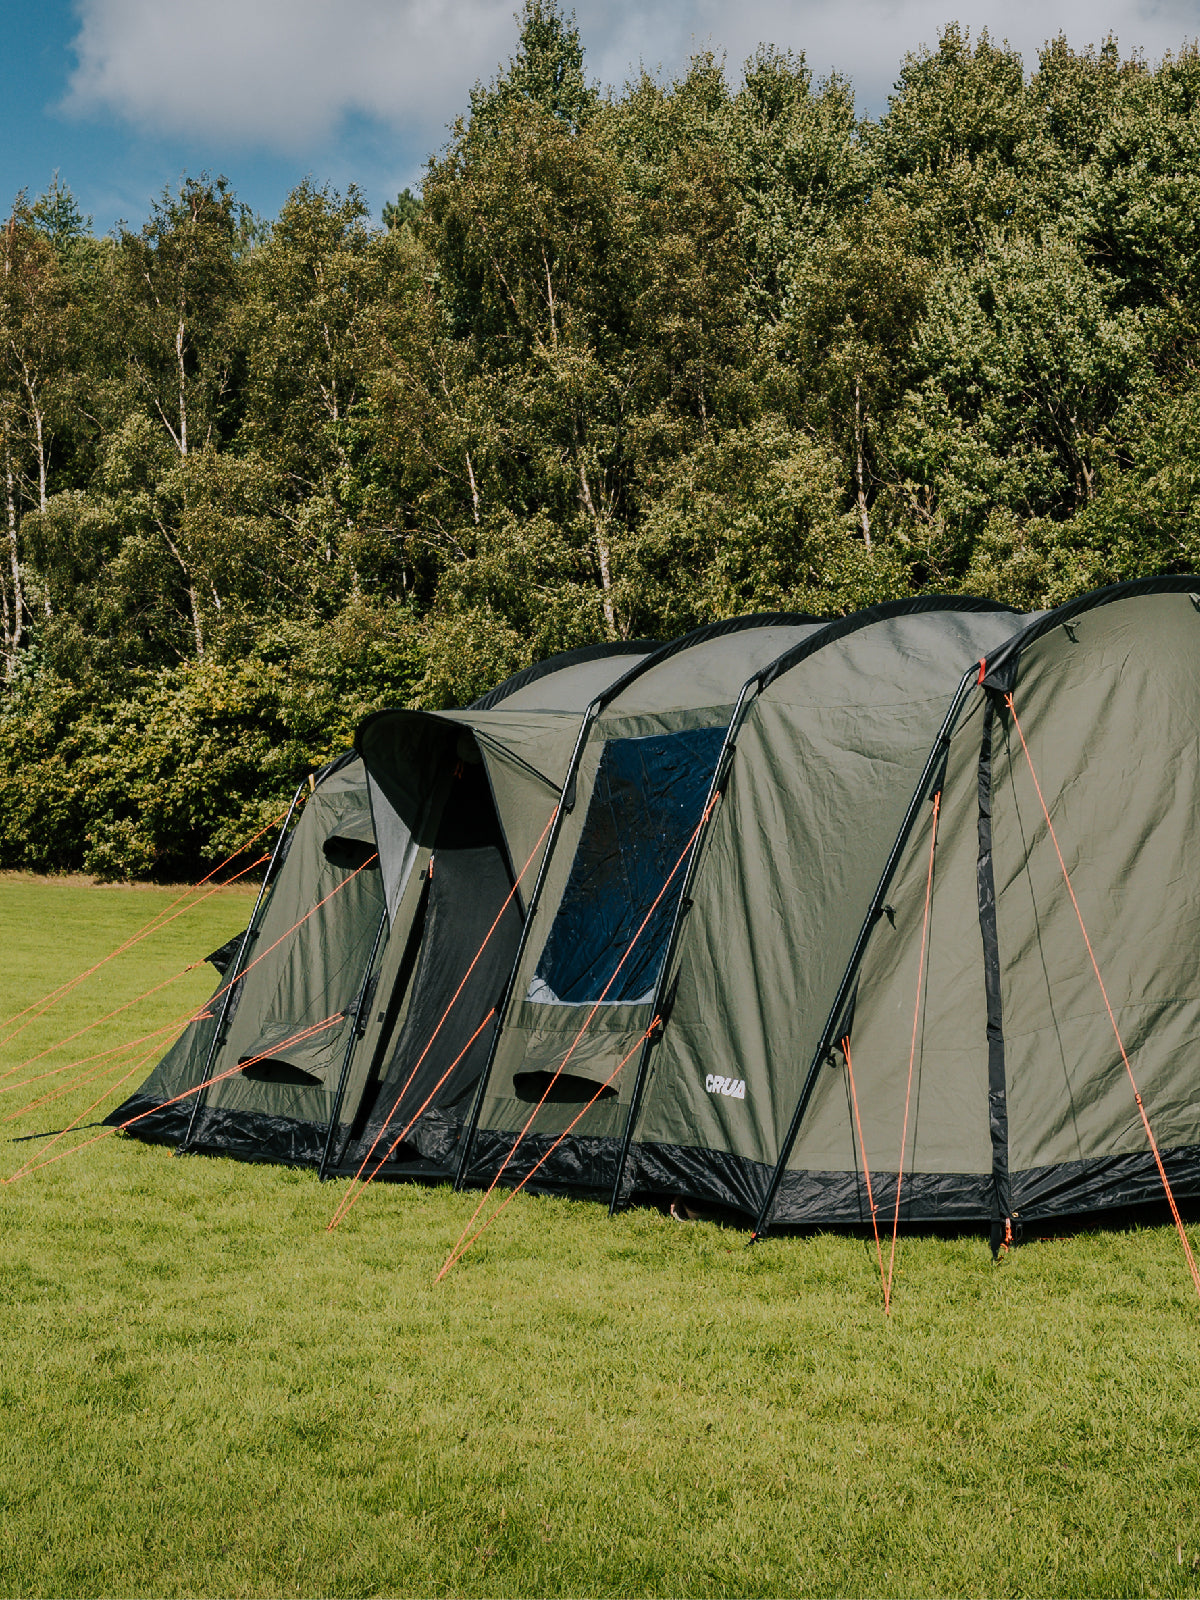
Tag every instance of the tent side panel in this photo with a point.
(1110, 710)
(825, 770)
(947, 1162)
(540, 1032)
(278, 1109)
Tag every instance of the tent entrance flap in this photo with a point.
(468, 941)
(646, 801)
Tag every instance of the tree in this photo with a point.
(35, 327)
(177, 280)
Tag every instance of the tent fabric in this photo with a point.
(1039, 1120)
(826, 758)
(790, 937)
(282, 1108)
(516, 759)
(314, 972)
(466, 892)
(688, 688)
(579, 676)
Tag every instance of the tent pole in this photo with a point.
(936, 757)
(242, 950)
(720, 772)
(566, 802)
(356, 1033)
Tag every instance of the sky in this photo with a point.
(123, 97)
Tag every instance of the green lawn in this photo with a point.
(205, 1393)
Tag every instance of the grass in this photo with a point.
(205, 1393)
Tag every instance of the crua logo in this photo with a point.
(732, 1088)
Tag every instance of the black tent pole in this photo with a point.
(236, 968)
(356, 1033)
(936, 758)
(720, 773)
(566, 802)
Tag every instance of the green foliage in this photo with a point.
(404, 212)
(191, 762)
(633, 359)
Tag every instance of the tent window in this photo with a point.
(648, 798)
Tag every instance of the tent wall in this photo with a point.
(827, 760)
(478, 788)
(429, 1050)
(1022, 1108)
(679, 703)
(948, 1154)
(280, 1107)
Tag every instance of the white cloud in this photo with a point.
(286, 74)
(280, 73)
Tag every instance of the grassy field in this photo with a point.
(205, 1393)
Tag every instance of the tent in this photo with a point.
(796, 917)
(1054, 978)
(656, 1042)
(334, 970)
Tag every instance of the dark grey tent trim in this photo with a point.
(659, 1173)
(1070, 1189)
(578, 1166)
(259, 1137)
(153, 1123)
(568, 658)
(1077, 1188)
(997, 1086)
(1001, 666)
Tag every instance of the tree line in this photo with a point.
(633, 360)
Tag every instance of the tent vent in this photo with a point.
(275, 1071)
(565, 1090)
(349, 854)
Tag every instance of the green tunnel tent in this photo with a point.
(320, 922)
(1021, 1109)
(825, 729)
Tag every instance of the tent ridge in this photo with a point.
(999, 668)
(704, 635)
(853, 621)
(567, 658)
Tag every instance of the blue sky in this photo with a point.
(124, 96)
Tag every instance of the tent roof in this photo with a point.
(855, 621)
(579, 675)
(708, 666)
(1001, 662)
